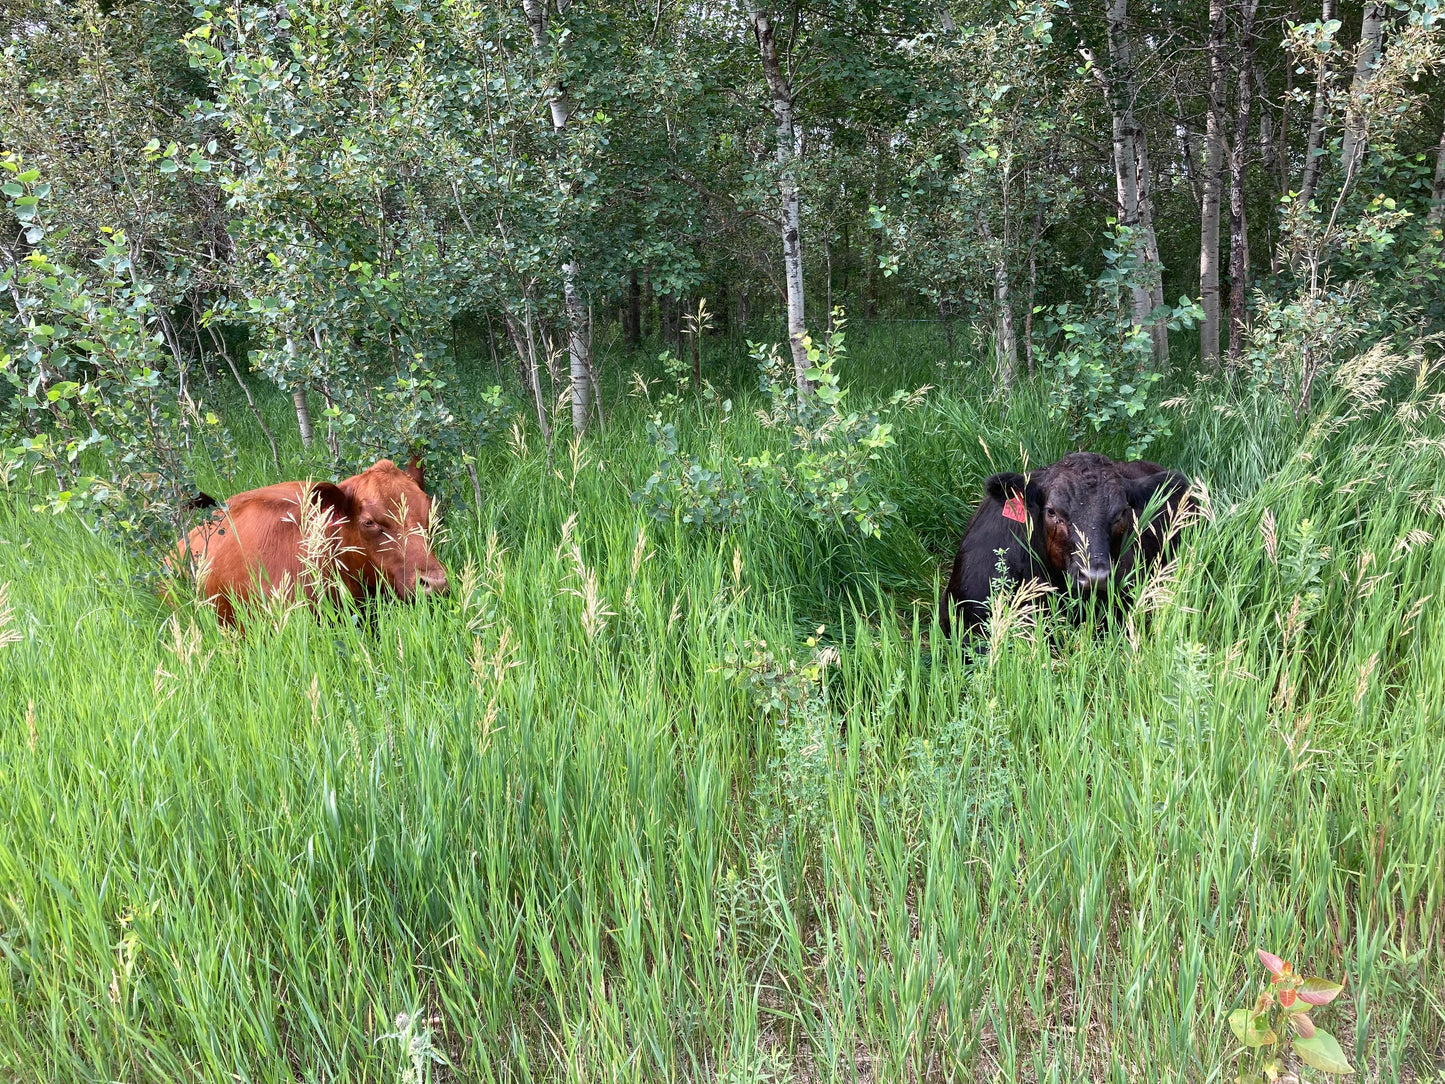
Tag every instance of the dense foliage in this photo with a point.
(332, 194)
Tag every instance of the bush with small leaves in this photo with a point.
(94, 407)
(827, 469)
(1102, 381)
(683, 488)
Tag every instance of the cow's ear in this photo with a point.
(417, 473)
(329, 496)
(1004, 485)
(1035, 494)
(1168, 484)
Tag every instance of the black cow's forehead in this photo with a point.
(1083, 480)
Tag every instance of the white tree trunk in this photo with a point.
(790, 202)
(580, 369)
(1159, 331)
(303, 417)
(298, 397)
(1131, 174)
(1437, 194)
(1352, 146)
(578, 341)
(1238, 161)
(1213, 186)
(1005, 345)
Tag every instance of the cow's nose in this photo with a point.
(1091, 578)
(433, 583)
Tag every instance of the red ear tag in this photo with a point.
(1014, 509)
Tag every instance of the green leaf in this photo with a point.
(1239, 1023)
(1251, 1028)
(12, 189)
(1322, 1052)
(63, 390)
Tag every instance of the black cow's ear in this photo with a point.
(1169, 484)
(329, 496)
(1004, 485)
(1035, 494)
(417, 473)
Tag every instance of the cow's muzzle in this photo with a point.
(1092, 578)
(433, 583)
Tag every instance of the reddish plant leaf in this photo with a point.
(1286, 997)
(1272, 962)
(1304, 1027)
(1319, 991)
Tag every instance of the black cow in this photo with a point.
(1075, 525)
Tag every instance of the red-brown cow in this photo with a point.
(361, 536)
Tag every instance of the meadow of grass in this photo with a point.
(605, 812)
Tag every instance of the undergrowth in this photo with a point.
(617, 808)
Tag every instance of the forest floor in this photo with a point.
(615, 808)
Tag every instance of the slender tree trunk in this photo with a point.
(298, 397)
(580, 363)
(1352, 146)
(1031, 298)
(525, 343)
(1238, 162)
(633, 327)
(1266, 117)
(578, 350)
(1191, 150)
(1131, 174)
(1213, 185)
(1437, 195)
(1314, 149)
(828, 259)
(303, 416)
(1005, 346)
(1159, 330)
(1281, 150)
(791, 203)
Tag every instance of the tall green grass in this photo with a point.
(551, 821)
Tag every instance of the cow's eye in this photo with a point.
(368, 523)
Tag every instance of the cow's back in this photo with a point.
(250, 546)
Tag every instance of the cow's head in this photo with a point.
(1083, 512)
(385, 519)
